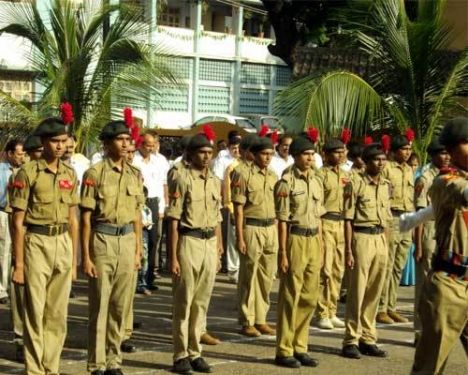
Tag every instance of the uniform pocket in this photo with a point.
(43, 198)
(255, 196)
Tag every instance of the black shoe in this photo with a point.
(152, 287)
(137, 325)
(4, 301)
(372, 350)
(72, 294)
(114, 371)
(290, 362)
(182, 366)
(306, 360)
(351, 351)
(200, 365)
(19, 354)
(127, 347)
(98, 372)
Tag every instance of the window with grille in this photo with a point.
(283, 76)
(214, 70)
(213, 99)
(170, 17)
(258, 74)
(173, 98)
(253, 101)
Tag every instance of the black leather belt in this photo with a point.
(259, 222)
(114, 230)
(306, 232)
(48, 230)
(203, 234)
(333, 216)
(459, 271)
(398, 213)
(369, 230)
(154, 199)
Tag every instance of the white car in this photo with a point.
(241, 122)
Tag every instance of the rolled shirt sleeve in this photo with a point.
(282, 200)
(238, 188)
(20, 189)
(89, 189)
(177, 191)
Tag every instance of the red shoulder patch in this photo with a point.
(89, 182)
(17, 185)
(282, 194)
(66, 184)
(176, 195)
(465, 217)
(344, 181)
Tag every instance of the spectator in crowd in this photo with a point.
(281, 160)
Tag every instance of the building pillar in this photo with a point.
(238, 20)
(152, 16)
(197, 12)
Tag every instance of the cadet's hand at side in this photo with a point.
(74, 273)
(241, 247)
(284, 264)
(89, 269)
(175, 268)
(350, 259)
(18, 275)
(137, 261)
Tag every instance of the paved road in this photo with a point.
(237, 355)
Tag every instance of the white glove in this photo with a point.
(414, 219)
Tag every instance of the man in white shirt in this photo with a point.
(281, 160)
(79, 162)
(154, 171)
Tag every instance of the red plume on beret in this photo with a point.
(135, 133)
(139, 141)
(263, 131)
(345, 136)
(313, 134)
(409, 134)
(66, 112)
(386, 140)
(209, 132)
(368, 140)
(128, 117)
(274, 137)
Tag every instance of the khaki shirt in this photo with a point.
(253, 188)
(335, 184)
(115, 196)
(451, 216)
(402, 183)
(356, 174)
(368, 205)
(227, 202)
(422, 185)
(195, 199)
(299, 198)
(45, 196)
(176, 170)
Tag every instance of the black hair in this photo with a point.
(12, 144)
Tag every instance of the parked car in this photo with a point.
(272, 122)
(241, 122)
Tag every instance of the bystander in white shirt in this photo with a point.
(279, 164)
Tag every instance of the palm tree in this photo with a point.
(99, 69)
(413, 82)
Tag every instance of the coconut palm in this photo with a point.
(80, 58)
(414, 82)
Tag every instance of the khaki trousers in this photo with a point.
(109, 296)
(366, 281)
(298, 294)
(129, 319)
(17, 311)
(256, 273)
(443, 310)
(333, 267)
(48, 276)
(191, 293)
(400, 244)
(5, 254)
(422, 269)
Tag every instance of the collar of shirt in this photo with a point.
(299, 174)
(42, 165)
(196, 173)
(256, 169)
(370, 181)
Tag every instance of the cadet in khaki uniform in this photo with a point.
(195, 231)
(425, 234)
(335, 183)
(111, 201)
(33, 147)
(401, 177)
(43, 200)
(367, 218)
(443, 307)
(298, 200)
(257, 241)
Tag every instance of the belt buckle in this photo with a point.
(53, 230)
(204, 233)
(120, 231)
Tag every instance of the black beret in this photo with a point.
(371, 151)
(51, 127)
(398, 142)
(333, 144)
(31, 143)
(355, 150)
(247, 142)
(198, 141)
(260, 144)
(184, 141)
(455, 131)
(435, 146)
(299, 145)
(113, 129)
